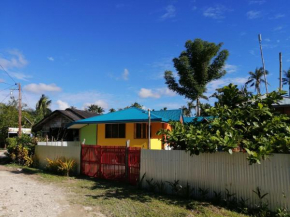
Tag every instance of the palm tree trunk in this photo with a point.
(289, 90)
(197, 107)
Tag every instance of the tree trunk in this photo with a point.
(197, 107)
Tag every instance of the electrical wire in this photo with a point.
(5, 98)
(7, 88)
(8, 74)
(6, 83)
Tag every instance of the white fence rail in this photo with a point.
(52, 152)
(221, 171)
(59, 143)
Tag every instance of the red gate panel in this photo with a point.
(109, 162)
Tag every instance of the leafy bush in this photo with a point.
(239, 121)
(21, 150)
(61, 165)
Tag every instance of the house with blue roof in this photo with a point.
(116, 128)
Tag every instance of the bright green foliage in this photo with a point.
(241, 121)
(21, 150)
(42, 107)
(201, 63)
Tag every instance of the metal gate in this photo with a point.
(111, 162)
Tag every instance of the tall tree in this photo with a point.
(256, 79)
(96, 109)
(164, 109)
(112, 110)
(42, 107)
(136, 105)
(286, 79)
(187, 110)
(201, 63)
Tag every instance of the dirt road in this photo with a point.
(22, 195)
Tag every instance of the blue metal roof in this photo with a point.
(196, 119)
(173, 115)
(130, 115)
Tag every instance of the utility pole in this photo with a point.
(19, 111)
(263, 62)
(280, 71)
(149, 129)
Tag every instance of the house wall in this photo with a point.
(142, 143)
(220, 171)
(89, 133)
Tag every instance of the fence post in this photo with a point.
(127, 160)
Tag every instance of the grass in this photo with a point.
(119, 199)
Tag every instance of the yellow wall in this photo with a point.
(142, 143)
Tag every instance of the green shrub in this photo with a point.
(61, 165)
(21, 150)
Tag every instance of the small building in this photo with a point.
(116, 128)
(284, 106)
(54, 128)
(13, 132)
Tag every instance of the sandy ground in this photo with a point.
(22, 195)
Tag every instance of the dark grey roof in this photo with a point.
(70, 113)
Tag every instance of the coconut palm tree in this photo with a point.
(256, 79)
(286, 79)
(42, 106)
(96, 109)
(187, 109)
(112, 110)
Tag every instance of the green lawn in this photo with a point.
(117, 199)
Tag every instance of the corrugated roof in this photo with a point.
(173, 115)
(123, 116)
(197, 119)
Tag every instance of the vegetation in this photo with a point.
(256, 79)
(286, 79)
(242, 121)
(201, 63)
(95, 108)
(61, 165)
(42, 107)
(119, 199)
(20, 150)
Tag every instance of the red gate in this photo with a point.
(109, 162)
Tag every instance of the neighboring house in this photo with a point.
(116, 128)
(284, 106)
(53, 126)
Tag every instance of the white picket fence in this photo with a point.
(221, 171)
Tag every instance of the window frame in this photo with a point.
(142, 131)
(118, 133)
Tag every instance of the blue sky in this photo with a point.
(114, 53)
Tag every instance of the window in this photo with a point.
(140, 131)
(115, 131)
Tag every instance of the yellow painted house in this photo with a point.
(116, 128)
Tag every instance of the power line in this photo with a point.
(5, 98)
(6, 83)
(8, 74)
(7, 88)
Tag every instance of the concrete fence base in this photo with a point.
(53, 152)
(221, 171)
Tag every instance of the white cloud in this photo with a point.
(16, 60)
(148, 93)
(62, 105)
(231, 68)
(267, 40)
(100, 103)
(125, 74)
(165, 92)
(254, 14)
(170, 12)
(50, 59)
(277, 16)
(212, 86)
(155, 93)
(12, 61)
(41, 88)
(215, 12)
(259, 2)
(20, 75)
(278, 28)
